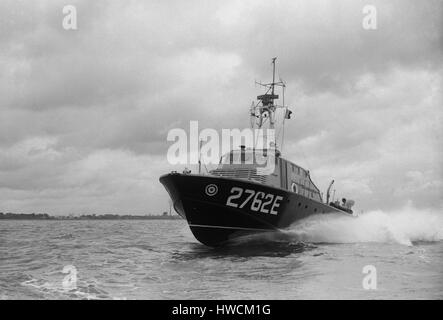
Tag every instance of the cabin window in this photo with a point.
(243, 157)
(230, 158)
(260, 158)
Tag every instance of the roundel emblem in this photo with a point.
(211, 190)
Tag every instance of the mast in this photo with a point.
(265, 109)
(272, 116)
(273, 75)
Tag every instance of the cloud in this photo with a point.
(371, 143)
(103, 181)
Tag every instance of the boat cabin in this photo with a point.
(243, 164)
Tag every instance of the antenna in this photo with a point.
(328, 192)
(199, 157)
(273, 74)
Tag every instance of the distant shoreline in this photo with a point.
(45, 216)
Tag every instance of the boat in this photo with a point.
(239, 197)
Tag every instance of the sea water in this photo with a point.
(322, 257)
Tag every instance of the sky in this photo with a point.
(84, 114)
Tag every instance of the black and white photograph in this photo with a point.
(204, 150)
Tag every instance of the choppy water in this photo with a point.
(322, 257)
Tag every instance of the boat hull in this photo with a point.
(219, 209)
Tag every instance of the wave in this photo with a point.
(53, 290)
(404, 227)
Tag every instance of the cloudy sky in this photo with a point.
(84, 114)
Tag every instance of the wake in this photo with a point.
(404, 226)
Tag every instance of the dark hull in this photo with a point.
(213, 222)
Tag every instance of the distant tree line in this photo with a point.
(45, 216)
(11, 215)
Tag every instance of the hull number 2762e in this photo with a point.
(258, 201)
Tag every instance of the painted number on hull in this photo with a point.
(258, 201)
